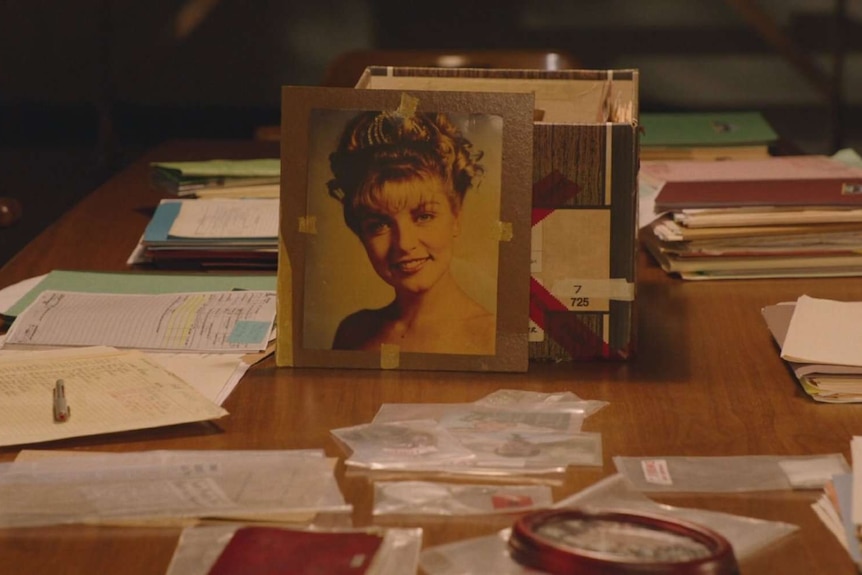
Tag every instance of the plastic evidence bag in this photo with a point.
(165, 485)
(731, 474)
(448, 499)
(489, 554)
(199, 548)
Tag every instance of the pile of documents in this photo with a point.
(133, 351)
(819, 339)
(257, 178)
(705, 135)
(840, 506)
(106, 390)
(223, 214)
(789, 216)
(211, 234)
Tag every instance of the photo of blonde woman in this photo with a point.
(418, 199)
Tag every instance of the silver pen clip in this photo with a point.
(62, 411)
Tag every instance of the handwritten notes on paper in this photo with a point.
(226, 321)
(227, 218)
(107, 390)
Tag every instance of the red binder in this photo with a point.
(274, 551)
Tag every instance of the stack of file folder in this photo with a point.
(789, 216)
(705, 135)
(839, 507)
(255, 178)
(220, 233)
(819, 340)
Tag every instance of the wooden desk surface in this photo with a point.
(707, 381)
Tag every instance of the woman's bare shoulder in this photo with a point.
(358, 328)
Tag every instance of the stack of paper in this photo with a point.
(213, 233)
(108, 390)
(237, 227)
(124, 319)
(820, 340)
(792, 216)
(255, 178)
(840, 506)
(705, 135)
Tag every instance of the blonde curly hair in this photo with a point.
(377, 148)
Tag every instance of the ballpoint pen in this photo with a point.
(62, 411)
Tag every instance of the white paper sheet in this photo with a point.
(10, 295)
(227, 218)
(107, 390)
(214, 375)
(824, 331)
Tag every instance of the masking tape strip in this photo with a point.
(307, 224)
(389, 356)
(609, 161)
(612, 288)
(504, 232)
(605, 103)
(407, 107)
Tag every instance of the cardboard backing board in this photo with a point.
(324, 273)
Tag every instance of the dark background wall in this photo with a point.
(86, 85)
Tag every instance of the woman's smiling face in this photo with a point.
(409, 234)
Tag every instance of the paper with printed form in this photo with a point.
(226, 321)
(107, 390)
(824, 332)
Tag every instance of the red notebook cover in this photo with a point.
(274, 551)
(781, 181)
(747, 193)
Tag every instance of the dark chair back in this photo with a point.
(10, 212)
